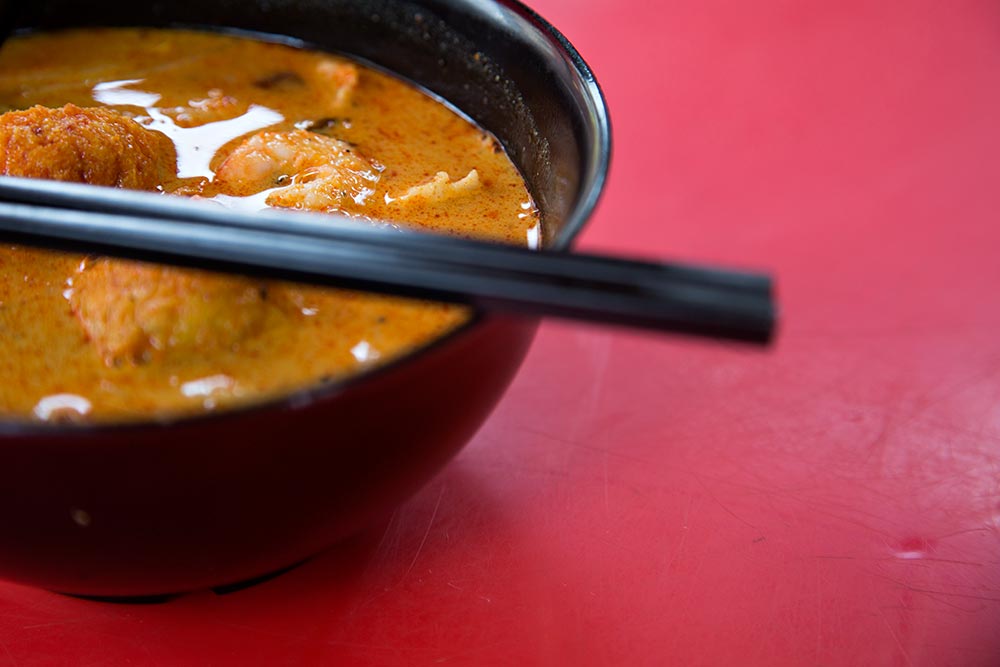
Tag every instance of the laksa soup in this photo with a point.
(244, 124)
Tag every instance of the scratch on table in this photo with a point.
(591, 448)
(986, 371)
(855, 522)
(877, 445)
(964, 596)
(427, 532)
(607, 509)
(68, 621)
(819, 598)
(919, 405)
(895, 637)
(682, 542)
(621, 546)
(950, 561)
(361, 645)
(379, 557)
(985, 651)
(965, 531)
(721, 504)
(7, 652)
(937, 595)
(258, 629)
(600, 356)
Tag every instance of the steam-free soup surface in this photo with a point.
(248, 125)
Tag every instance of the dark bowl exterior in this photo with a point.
(156, 508)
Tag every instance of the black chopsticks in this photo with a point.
(332, 250)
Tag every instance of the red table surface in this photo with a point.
(650, 500)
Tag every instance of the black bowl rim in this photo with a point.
(592, 186)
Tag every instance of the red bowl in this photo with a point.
(156, 508)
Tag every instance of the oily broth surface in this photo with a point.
(49, 368)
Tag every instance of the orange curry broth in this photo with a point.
(84, 338)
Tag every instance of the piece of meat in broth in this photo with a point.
(134, 312)
(85, 145)
(304, 171)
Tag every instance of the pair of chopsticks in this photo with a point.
(333, 250)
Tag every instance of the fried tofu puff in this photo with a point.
(92, 145)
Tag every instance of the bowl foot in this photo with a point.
(160, 599)
(250, 583)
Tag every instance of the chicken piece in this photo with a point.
(96, 146)
(439, 189)
(133, 311)
(307, 170)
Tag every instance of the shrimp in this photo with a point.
(132, 311)
(331, 81)
(92, 145)
(337, 79)
(305, 170)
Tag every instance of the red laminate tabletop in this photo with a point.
(647, 500)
